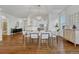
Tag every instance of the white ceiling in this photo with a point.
(26, 10)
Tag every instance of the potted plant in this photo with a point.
(57, 27)
(57, 30)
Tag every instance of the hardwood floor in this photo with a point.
(14, 45)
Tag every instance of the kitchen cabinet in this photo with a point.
(71, 35)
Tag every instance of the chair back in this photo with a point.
(45, 35)
(34, 34)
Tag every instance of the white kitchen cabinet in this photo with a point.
(72, 36)
(77, 36)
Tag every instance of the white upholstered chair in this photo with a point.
(45, 38)
(34, 36)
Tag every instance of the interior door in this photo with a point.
(4, 28)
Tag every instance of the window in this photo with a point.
(62, 21)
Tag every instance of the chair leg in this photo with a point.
(49, 43)
(31, 40)
(37, 40)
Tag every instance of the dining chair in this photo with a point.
(53, 41)
(34, 36)
(26, 37)
(45, 37)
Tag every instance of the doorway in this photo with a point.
(4, 30)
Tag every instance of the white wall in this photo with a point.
(72, 9)
(52, 23)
